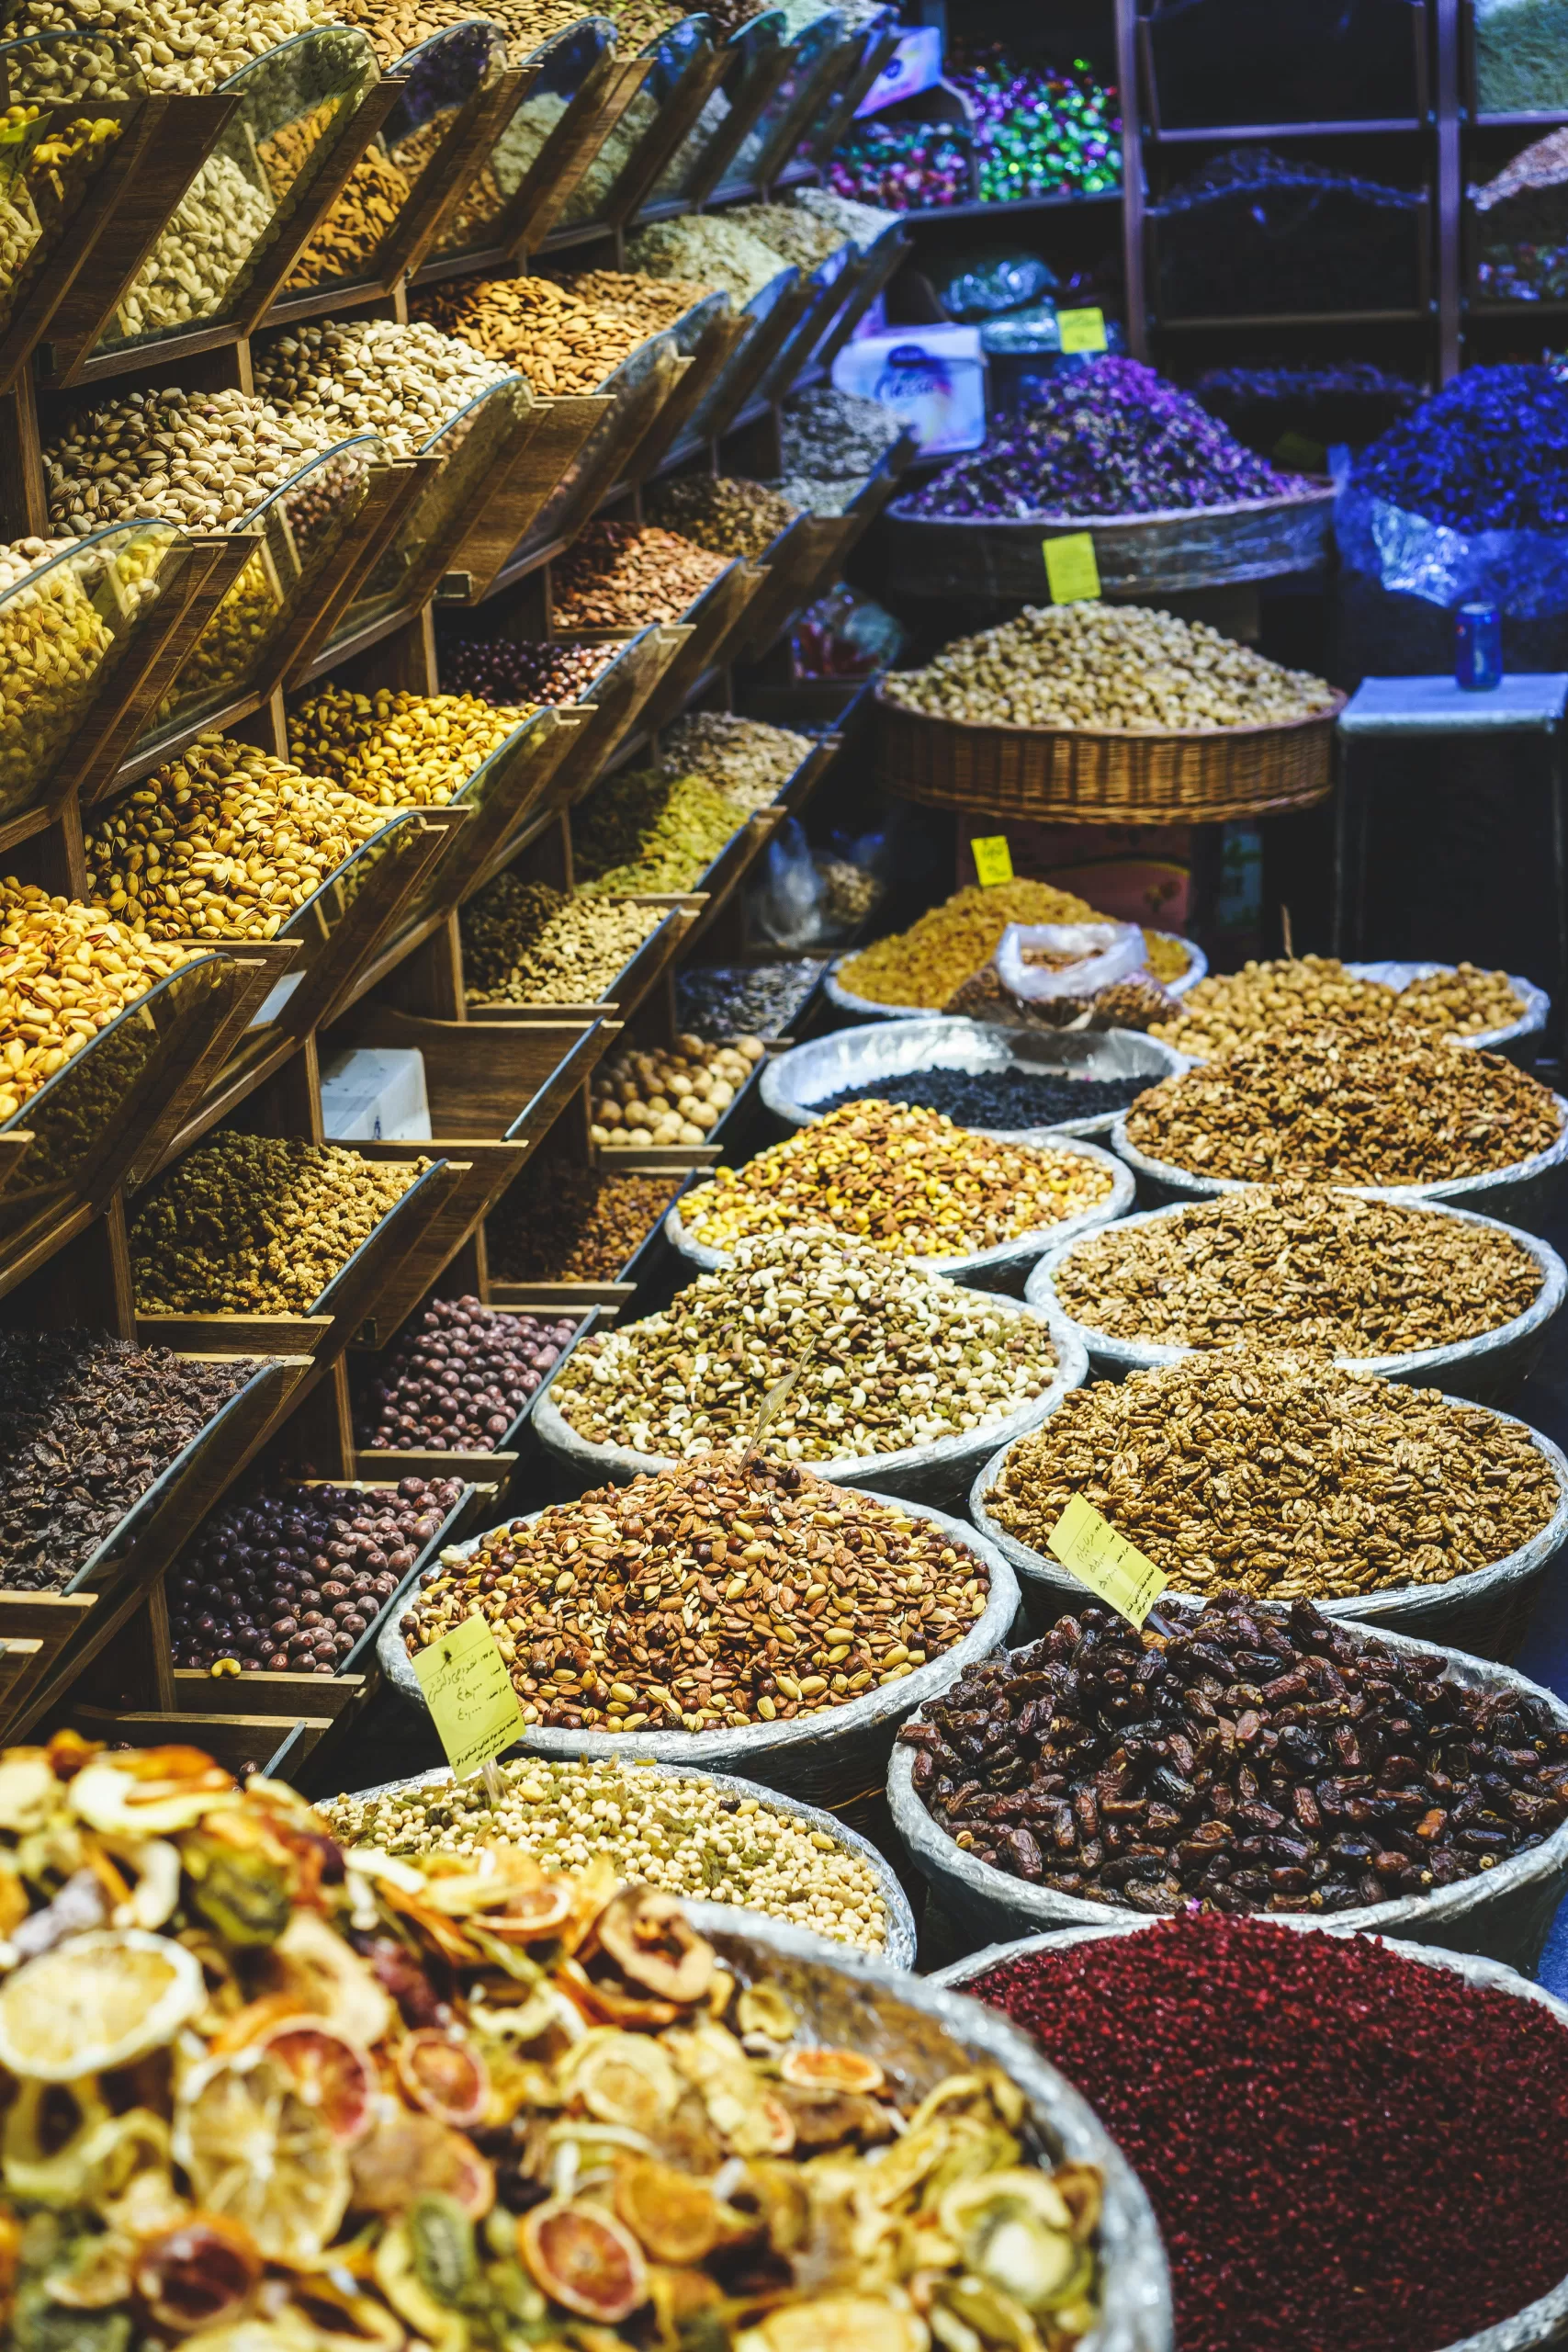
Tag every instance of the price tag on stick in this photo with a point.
(1071, 570)
(993, 861)
(1114, 1570)
(1082, 330)
(470, 1697)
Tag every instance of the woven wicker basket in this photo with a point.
(1105, 777)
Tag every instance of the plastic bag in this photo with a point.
(1100, 953)
(1522, 572)
(786, 910)
(977, 286)
(843, 635)
(1134, 1004)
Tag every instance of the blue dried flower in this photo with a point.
(1488, 453)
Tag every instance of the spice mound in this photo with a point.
(906, 1181)
(272, 2094)
(1120, 666)
(1301, 1266)
(732, 1591)
(1304, 992)
(1390, 2200)
(680, 1832)
(1283, 1477)
(1345, 1107)
(889, 1357)
(1252, 1762)
(924, 965)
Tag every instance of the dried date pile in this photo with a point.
(91, 1423)
(1284, 1478)
(732, 1590)
(1348, 1107)
(1252, 1762)
(1301, 1265)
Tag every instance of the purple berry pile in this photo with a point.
(458, 1379)
(288, 1580)
(1113, 438)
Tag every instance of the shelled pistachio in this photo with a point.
(747, 762)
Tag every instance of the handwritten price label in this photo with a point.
(1071, 570)
(470, 1697)
(1114, 1570)
(993, 861)
(1082, 330)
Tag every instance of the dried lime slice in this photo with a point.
(97, 2000)
(259, 2154)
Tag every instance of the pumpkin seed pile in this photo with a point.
(1284, 1478)
(681, 1832)
(889, 1357)
(733, 1590)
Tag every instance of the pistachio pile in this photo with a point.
(730, 515)
(677, 1831)
(789, 230)
(746, 759)
(1306, 991)
(401, 751)
(225, 843)
(212, 232)
(348, 376)
(1119, 666)
(203, 459)
(1394, 1106)
(646, 833)
(666, 1094)
(525, 942)
(939, 952)
(66, 971)
(257, 1225)
(1282, 1477)
(906, 1181)
(1299, 1265)
(732, 1590)
(887, 1357)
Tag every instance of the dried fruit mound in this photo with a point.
(272, 2096)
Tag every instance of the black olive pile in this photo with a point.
(458, 1379)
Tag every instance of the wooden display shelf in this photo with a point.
(715, 347)
(717, 619)
(483, 559)
(620, 694)
(113, 756)
(880, 264)
(501, 1080)
(750, 359)
(646, 380)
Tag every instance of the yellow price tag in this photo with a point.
(1114, 1569)
(1071, 570)
(993, 861)
(1082, 330)
(470, 1693)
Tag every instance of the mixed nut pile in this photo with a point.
(457, 1379)
(727, 1591)
(91, 1423)
(680, 1832)
(66, 971)
(711, 247)
(1299, 1265)
(1245, 1762)
(1121, 666)
(833, 434)
(669, 1095)
(562, 1224)
(908, 1181)
(460, 2098)
(286, 1579)
(1282, 1477)
(1344, 1106)
(885, 1357)
(525, 942)
(725, 513)
(257, 1225)
(1309, 991)
(750, 762)
(939, 952)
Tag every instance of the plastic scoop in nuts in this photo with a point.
(659, 2138)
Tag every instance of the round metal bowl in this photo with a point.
(1006, 1263)
(878, 1055)
(1483, 1612)
(1480, 1369)
(920, 2033)
(1525, 1194)
(898, 1946)
(827, 1756)
(1504, 1913)
(869, 1010)
(1532, 2329)
(941, 1472)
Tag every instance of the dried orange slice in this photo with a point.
(197, 2275)
(675, 2217)
(831, 2070)
(97, 2000)
(151, 1792)
(407, 2155)
(622, 2078)
(582, 2257)
(837, 2323)
(329, 2071)
(448, 2078)
(257, 2154)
